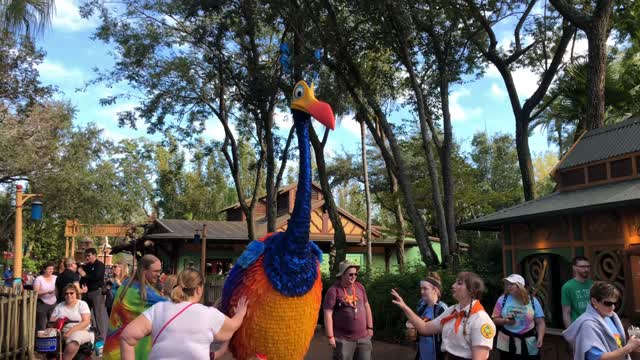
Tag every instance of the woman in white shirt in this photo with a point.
(181, 328)
(45, 286)
(76, 330)
(466, 328)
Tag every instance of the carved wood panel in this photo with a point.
(608, 265)
(537, 273)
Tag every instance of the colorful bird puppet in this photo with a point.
(280, 273)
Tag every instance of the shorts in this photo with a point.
(81, 337)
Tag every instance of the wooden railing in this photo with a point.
(17, 323)
(213, 290)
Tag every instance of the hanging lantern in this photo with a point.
(36, 210)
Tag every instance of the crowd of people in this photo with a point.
(515, 328)
(131, 314)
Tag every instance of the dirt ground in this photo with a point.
(320, 350)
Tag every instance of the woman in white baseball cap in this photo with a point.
(521, 321)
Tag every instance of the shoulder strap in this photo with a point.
(169, 322)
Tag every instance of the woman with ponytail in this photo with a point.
(182, 328)
(134, 296)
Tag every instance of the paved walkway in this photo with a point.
(320, 350)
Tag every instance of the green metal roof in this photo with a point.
(559, 203)
(606, 142)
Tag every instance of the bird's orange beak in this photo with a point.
(305, 100)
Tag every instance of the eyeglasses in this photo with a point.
(608, 303)
(352, 274)
(69, 293)
(583, 266)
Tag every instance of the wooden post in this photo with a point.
(203, 251)
(73, 247)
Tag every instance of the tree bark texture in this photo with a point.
(596, 26)
(367, 193)
(339, 237)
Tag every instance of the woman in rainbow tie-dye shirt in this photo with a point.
(522, 320)
(134, 297)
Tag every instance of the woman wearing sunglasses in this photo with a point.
(76, 330)
(598, 333)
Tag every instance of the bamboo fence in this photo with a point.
(17, 323)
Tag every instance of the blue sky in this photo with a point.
(71, 56)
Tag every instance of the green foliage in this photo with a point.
(28, 17)
(565, 118)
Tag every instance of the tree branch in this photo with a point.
(576, 17)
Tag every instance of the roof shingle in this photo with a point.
(614, 194)
(607, 142)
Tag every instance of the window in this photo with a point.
(638, 164)
(621, 168)
(597, 172)
(572, 177)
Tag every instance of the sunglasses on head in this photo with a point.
(608, 303)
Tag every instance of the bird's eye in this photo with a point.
(298, 92)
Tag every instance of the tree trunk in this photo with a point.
(596, 26)
(426, 145)
(399, 217)
(351, 76)
(524, 159)
(339, 237)
(367, 194)
(597, 39)
(272, 191)
(445, 163)
(400, 226)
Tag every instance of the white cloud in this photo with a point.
(215, 130)
(497, 91)
(283, 119)
(67, 17)
(525, 80)
(348, 123)
(458, 112)
(56, 72)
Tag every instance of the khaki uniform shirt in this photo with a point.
(475, 330)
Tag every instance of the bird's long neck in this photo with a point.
(298, 228)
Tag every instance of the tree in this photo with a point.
(30, 140)
(595, 22)
(480, 28)
(196, 62)
(343, 40)
(566, 117)
(367, 194)
(29, 17)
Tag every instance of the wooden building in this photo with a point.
(595, 212)
(174, 239)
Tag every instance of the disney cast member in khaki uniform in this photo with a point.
(467, 329)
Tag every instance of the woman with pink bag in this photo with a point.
(182, 328)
